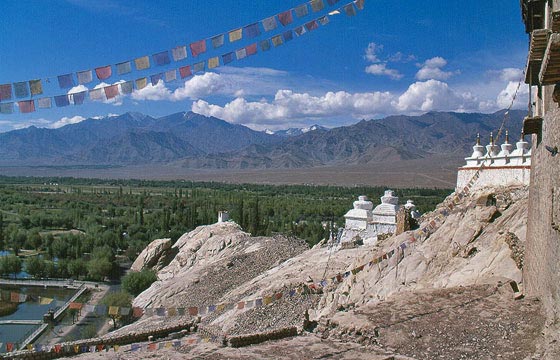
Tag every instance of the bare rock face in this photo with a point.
(153, 256)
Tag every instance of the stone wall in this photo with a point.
(542, 265)
(496, 176)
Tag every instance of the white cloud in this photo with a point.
(371, 52)
(381, 69)
(434, 95)
(505, 97)
(431, 70)
(32, 122)
(507, 74)
(67, 121)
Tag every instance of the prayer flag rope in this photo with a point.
(110, 92)
(25, 89)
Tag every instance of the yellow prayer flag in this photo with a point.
(141, 83)
(235, 35)
(113, 310)
(142, 63)
(221, 307)
(116, 347)
(168, 345)
(213, 62)
(267, 300)
(30, 347)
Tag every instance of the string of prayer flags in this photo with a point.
(103, 72)
(227, 58)
(21, 90)
(179, 53)
(312, 25)
(161, 58)
(84, 77)
(265, 45)
(65, 81)
(142, 63)
(156, 78)
(301, 10)
(300, 30)
(141, 83)
(235, 35)
(277, 40)
(317, 5)
(5, 92)
(111, 91)
(217, 41)
(288, 35)
(252, 30)
(44, 103)
(269, 24)
(241, 53)
(36, 87)
(124, 68)
(198, 47)
(285, 18)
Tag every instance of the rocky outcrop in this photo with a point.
(155, 256)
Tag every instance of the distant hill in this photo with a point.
(196, 141)
(295, 131)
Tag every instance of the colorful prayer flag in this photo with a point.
(227, 58)
(170, 75)
(137, 312)
(65, 81)
(156, 78)
(113, 310)
(265, 45)
(75, 306)
(269, 23)
(9, 347)
(142, 63)
(292, 292)
(21, 89)
(285, 18)
(288, 35)
(181, 311)
(185, 71)
(217, 41)
(141, 83)
(277, 40)
(258, 302)
(124, 67)
(301, 10)
(160, 311)
(101, 309)
(7, 108)
(36, 87)
(312, 25)
(211, 308)
(162, 58)
(193, 311)
(317, 5)
(85, 76)
(251, 49)
(323, 20)
(213, 62)
(198, 47)
(235, 35)
(127, 87)
(359, 4)
(179, 53)
(241, 305)
(278, 296)
(300, 30)
(250, 304)
(172, 311)
(5, 92)
(241, 54)
(45, 300)
(111, 91)
(26, 106)
(350, 10)
(332, 2)
(61, 100)
(103, 72)
(198, 67)
(267, 300)
(252, 30)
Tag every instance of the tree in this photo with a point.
(10, 264)
(120, 300)
(76, 268)
(35, 267)
(136, 282)
(99, 268)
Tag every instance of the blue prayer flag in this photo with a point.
(78, 98)
(227, 58)
(156, 78)
(265, 45)
(332, 2)
(218, 41)
(65, 81)
(288, 35)
(7, 108)
(252, 30)
(162, 58)
(61, 100)
(21, 90)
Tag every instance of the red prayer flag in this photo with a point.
(193, 311)
(285, 18)
(111, 91)
(137, 312)
(241, 305)
(9, 347)
(198, 47)
(312, 25)
(57, 348)
(14, 297)
(251, 49)
(75, 305)
(185, 71)
(26, 106)
(278, 296)
(152, 346)
(103, 72)
(5, 91)
(100, 347)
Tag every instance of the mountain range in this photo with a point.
(195, 141)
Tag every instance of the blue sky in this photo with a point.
(394, 57)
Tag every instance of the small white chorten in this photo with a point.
(223, 216)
